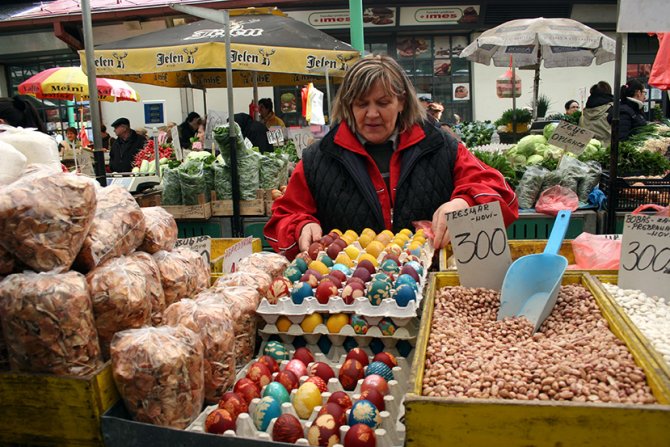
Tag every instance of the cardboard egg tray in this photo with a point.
(390, 433)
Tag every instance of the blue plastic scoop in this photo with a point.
(532, 282)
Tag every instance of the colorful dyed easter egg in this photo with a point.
(352, 291)
(375, 382)
(360, 435)
(270, 362)
(314, 249)
(368, 265)
(336, 411)
(321, 369)
(247, 388)
(344, 259)
(307, 397)
(283, 324)
(364, 412)
(350, 373)
(310, 322)
(378, 291)
(342, 399)
(375, 397)
(312, 277)
(336, 322)
(301, 291)
(327, 260)
(387, 358)
(234, 403)
(404, 295)
(418, 268)
(277, 391)
(325, 290)
(218, 421)
(324, 432)
(380, 369)
(359, 324)
(276, 350)
(319, 382)
(334, 279)
(339, 275)
(341, 268)
(304, 355)
(259, 373)
(296, 367)
(292, 273)
(301, 264)
(360, 355)
(319, 267)
(381, 276)
(288, 379)
(389, 266)
(266, 410)
(387, 326)
(279, 288)
(362, 273)
(407, 269)
(288, 429)
(406, 279)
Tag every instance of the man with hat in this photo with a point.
(128, 143)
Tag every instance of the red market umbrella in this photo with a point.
(71, 83)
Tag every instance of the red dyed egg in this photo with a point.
(325, 290)
(353, 279)
(333, 250)
(318, 381)
(338, 274)
(369, 266)
(324, 431)
(350, 373)
(297, 367)
(335, 280)
(280, 287)
(314, 250)
(342, 399)
(360, 435)
(304, 355)
(247, 388)
(260, 374)
(387, 358)
(322, 370)
(288, 379)
(352, 291)
(218, 421)
(234, 403)
(336, 411)
(326, 240)
(287, 428)
(312, 277)
(409, 270)
(270, 362)
(375, 382)
(362, 273)
(375, 397)
(392, 256)
(341, 243)
(360, 355)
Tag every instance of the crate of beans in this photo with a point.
(583, 378)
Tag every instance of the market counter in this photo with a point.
(501, 422)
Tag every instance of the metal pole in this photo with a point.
(204, 98)
(514, 103)
(254, 79)
(328, 93)
(93, 103)
(356, 24)
(614, 150)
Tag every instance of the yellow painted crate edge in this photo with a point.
(43, 409)
(220, 245)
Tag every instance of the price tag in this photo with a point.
(302, 137)
(174, 132)
(479, 242)
(645, 254)
(235, 253)
(200, 244)
(276, 136)
(248, 144)
(570, 137)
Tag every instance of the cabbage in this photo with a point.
(554, 152)
(595, 143)
(535, 160)
(526, 145)
(518, 160)
(549, 130)
(198, 155)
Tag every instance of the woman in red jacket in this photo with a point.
(382, 166)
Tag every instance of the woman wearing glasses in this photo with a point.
(631, 110)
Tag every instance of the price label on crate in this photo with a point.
(645, 254)
(570, 137)
(276, 135)
(200, 244)
(479, 242)
(235, 253)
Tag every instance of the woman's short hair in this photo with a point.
(358, 82)
(601, 87)
(569, 103)
(71, 130)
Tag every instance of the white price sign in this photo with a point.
(479, 242)
(302, 137)
(645, 254)
(200, 244)
(276, 136)
(235, 253)
(570, 137)
(174, 133)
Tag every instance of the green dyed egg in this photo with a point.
(378, 291)
(276, 350)
(278, 391)
(293, 273)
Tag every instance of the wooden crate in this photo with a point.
(254, 207)
(41, 409)
(201, 211)
(148, 199)
(501, 423)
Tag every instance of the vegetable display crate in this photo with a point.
(254, 207)
(40, 409)
(214, 227)
(487, 422)
(538, 226)
(253, 226)
(219, 247)
(633, 192)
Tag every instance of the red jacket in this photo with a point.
(474, 181)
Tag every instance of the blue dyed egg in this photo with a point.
(416, 266)
(389, 266)
(406, 279)
(301, 264)
(343, 268)
(326, 260)
(404, 294)
(300, 292)
(364, 412)
(276, 350)
(292, 273)
(381, 369)
(378, 291)
(277, 391)
(387, 326)
(266, 410)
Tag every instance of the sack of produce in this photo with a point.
(177, 275)
(271, 263)
(210, 318)
(152, 277)
(271, 167)
(6, 262)
(161, 230)
(13, 163)
(248, 168)
(37, 147)
(171, 195)
(159, 374)
(47, 320)
(193, 183)
(119, 295)
(222, 138)
(241, 302)
(118, 228)
(251, 277)
(591, 179)
(45, 217)
(201, 271)
(530, 186)
(223, 183)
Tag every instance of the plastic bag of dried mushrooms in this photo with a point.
(251, 277)
(154, 286)
(47, 320)
(179, 273)
(273, 264)
(159, 374)
(211, 319)
(202, 270)
(161, 230)
(45, 217)
(118, 228)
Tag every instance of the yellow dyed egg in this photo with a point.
(365, 239)
(283, 323)
(419, 232)
(374, 248)
(336, 322)
(401, 236)
(343, 258)
(311, 322)
(352, 252)
(420, 239)
(307, 397)
(399, 242)
(393, 248)
(414, 245)
(369, 257)
(348, 239)
(319, 267)
(406, 231)
(335, 230)
(351, 233)
(370, 232)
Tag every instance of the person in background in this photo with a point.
(128, 143)
(255, 131)
(143, 132)
(594, 114)
(198, 142)
(457, 119)
(268, 115)
(424, 101)
(18, 112)
(435, 109)
(571, 107)
(107, 139)
(188, 129)
(68, 146)
(631, 108)
(382, 166)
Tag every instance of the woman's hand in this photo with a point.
(440, 221)
(310, 233)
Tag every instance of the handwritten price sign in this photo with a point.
(570, 137)
(302, 137)
(235, 253)
(645, 254)
(479, 242)
(200, 244)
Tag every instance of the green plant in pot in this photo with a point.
(543, 104)
(522, 118)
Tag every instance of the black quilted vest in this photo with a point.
(345, 196)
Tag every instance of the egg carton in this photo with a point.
(338, 352)
(407, 331)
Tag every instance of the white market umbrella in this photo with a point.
(557, 42)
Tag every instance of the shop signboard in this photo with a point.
(340, 18)
(439, 15)
(154, 113)
(479, 243)
(570, 137)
